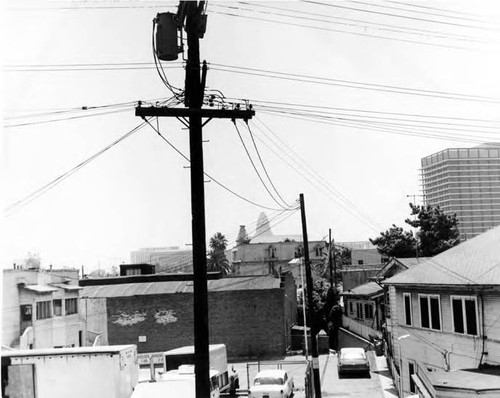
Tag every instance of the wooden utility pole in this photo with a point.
(309, 283)
(194, 91)
(330, 255)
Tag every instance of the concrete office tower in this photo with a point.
(465, 181)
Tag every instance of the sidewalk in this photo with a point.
(385, 377)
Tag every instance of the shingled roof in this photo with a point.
(473, 262)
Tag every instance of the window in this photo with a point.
(464, 310)
(430, 311)
(351, 311)
(411, 371)
(57, 305)
(359, 310)
(26, 313)
(71, 306)
(319, 251)
(133, 271)
(407, 306)
(360, 262)
(43, 309)
(369, 311)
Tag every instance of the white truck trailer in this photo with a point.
(81, 372)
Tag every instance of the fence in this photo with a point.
(360, 329)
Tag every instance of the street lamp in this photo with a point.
(401, 365)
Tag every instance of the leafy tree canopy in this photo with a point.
(436, 232)
(217, 260)
(396, 243)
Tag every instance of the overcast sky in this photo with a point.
(349, 96)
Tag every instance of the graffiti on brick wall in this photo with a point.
(164, 317)
(128, 319)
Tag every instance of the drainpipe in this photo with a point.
(483, 337)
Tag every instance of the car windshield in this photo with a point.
(352, 355)
(268, 380)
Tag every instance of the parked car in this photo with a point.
(272, 383)
(352, 360)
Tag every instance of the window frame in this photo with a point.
(60, 306)
(369, 313)
(43, 310)
(463, 298)
(66, 310)
(428, 297)
(406, 294)
(359, 310)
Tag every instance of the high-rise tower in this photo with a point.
(465, 181)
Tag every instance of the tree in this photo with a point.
(217, 260)
(32, 260)
(396, 243)
(437, 231)
(320, 295)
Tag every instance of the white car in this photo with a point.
(272, 383)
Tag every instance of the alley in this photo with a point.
(378, 385)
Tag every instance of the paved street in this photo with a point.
(379, 385)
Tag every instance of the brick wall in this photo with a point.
(250, 322)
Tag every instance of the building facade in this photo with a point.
(444, 319)
(253, 315)
(40, 309)
(171, 259)
(465, 181)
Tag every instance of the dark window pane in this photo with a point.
(435, 315)
(407, 310)
(458, 318)
(424, 312)
(470, 313)
(411, 371)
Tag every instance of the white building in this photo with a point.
(40, 309)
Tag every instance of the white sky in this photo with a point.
(137, 194)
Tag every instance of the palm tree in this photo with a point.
(217, 260)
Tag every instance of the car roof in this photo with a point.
(271, 373)
(352, 349)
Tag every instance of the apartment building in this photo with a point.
(465, 181)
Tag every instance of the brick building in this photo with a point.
(252, 315)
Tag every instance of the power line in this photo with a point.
(348, 22)
(395, 15)
(422, 12)
(47, 187)
(435, 8)
(263, 166)
(328, 81)
(343, 31)
(255, 167)
(208, 175)
(364, 127)
(400, 123)
(290, 105)
(314, 178)
(65, 118)
(350, 83)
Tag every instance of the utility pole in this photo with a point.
(330, 255)
(192, 13)
(309, 283)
